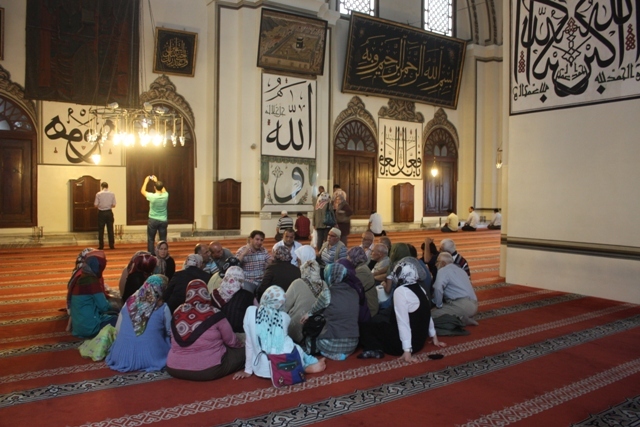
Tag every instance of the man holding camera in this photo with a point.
(158, 218)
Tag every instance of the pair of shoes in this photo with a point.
(111, 247)
(371, 354)
(468, 321)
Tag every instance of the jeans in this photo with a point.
(155, 226)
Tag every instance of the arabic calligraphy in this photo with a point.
(400, 152)
(387, 58)
(175, 53)
(288, 116)
(572, 52)
(75, 151)
(287, 181)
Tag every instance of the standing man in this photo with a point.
(105, 201)
(158, 218)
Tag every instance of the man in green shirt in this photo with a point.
(158, 220)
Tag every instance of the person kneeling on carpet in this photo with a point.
(266, 327)
(409, 324)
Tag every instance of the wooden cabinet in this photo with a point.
(83, 193)
(227, 208)
(403, 202)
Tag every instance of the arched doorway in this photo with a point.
(173, 165)
(18, 161)
(355, 157)
(441, 150)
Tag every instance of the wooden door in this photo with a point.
(84, 215)
(403, 202)
(356, 176)
(227, 205)
(18, 180)
(440, 191)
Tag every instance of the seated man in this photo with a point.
(217, 257)
(452, 292)
(333, 249)
(288, 241)
(451, 225)
(380, 254)
(253, 259)
(375, 224)
(472, 220)
(496, 222)
(447, 245)
(367, 243)
(303, 227)
(284, 222)
(203, 250)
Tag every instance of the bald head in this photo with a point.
(216, 249)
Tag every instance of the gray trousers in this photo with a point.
(459, 307)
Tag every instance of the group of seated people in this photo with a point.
(222, 312)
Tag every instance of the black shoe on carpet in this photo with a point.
(371, 354)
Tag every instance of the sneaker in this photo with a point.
(371, 354)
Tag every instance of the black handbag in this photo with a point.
(312, 329)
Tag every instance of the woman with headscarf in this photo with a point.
(176, 291)
(143, 330)
(409, 324)
(125, 271)
(266, 328)
(166, 265)
(340, 303)
(232, 299)
(358, 257)
(203, 345)
(86, 298)
(303, 292)
(343, 216)
(142, 266)
(402, 252)
(279, 272)
(322, 203)
(351, 279)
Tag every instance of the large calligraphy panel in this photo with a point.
(65, 137)
(568, 53)
(400, 149)
(400, 61)
(287, 183)
(288, 116)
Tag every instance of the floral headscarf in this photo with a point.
(282, 253)
(193, 260)
(269, 323)
(161, 268)
(88, 280)
(405, 273)
(305, 253)
(334, 273)
(142, 304)
(310, 273)
(195, 316)
(323, 199)
(231, 283)
(357, 255)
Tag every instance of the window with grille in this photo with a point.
(438, 16)
(12, 117)
(363, 6)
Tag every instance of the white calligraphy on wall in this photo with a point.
(288, 116)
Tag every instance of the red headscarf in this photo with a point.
(195, 316)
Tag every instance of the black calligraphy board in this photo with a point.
(400, 61)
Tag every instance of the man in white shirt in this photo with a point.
(288, 240)
(496, 222)
(375, 224)
(451, 226)
(472, 221)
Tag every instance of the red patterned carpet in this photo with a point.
(538, 357)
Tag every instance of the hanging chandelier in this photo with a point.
(155, 125)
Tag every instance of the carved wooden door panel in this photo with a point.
(356, 176)
(440, 191)
(83, 213)
(17, 182)
(227, 205)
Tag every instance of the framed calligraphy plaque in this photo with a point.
(291, 43)
(400, 61)
(569, 53)
(287, 183)
(288, 116)
(175, 52)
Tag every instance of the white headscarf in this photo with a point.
(305, 253)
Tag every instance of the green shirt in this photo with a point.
(158, 205)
